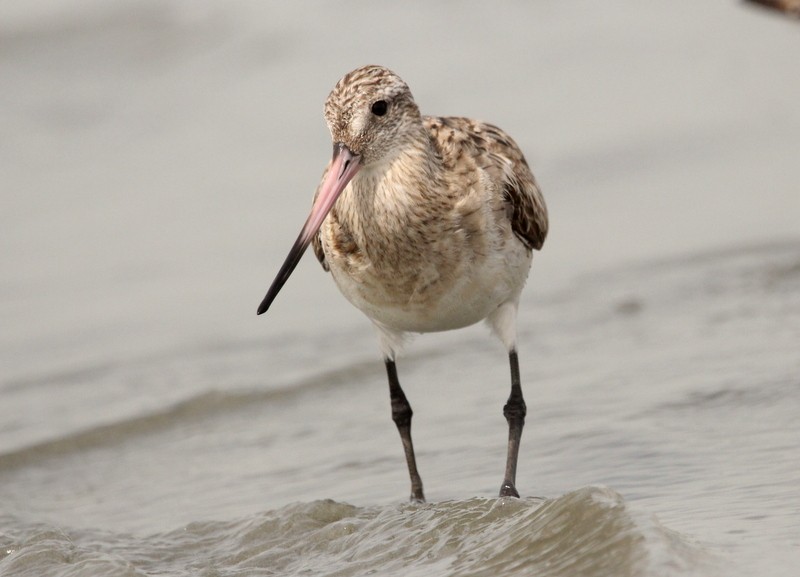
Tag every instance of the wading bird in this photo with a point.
(426, 224)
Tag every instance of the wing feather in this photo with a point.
(494, 151)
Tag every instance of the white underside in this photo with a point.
(487, 292)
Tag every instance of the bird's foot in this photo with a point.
(508, 490)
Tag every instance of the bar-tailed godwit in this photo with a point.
(426, 224)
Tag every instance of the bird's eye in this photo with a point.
(379, 107)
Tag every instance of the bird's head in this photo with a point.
(371, 112)
(371, 115)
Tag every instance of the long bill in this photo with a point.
(344, 166)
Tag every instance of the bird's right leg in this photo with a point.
(401, 415)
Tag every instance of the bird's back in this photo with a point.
(464, 143)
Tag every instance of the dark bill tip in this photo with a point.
(294, 256)
(343, 167)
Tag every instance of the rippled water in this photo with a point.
(157, 160)
(590, 531)
(673, 386)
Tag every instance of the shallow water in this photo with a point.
(590, 531)
(157, 160)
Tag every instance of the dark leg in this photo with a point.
(401, 415)
(514, 412)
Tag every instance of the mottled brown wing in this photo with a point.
(497, 153)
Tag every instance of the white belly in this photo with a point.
(442, 303)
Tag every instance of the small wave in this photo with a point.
(112, 433)
(590, 531)
(202, 406)
(206, 405)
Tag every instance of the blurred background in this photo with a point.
(157, 159)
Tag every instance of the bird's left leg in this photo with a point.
(503, 322)
(514, 411)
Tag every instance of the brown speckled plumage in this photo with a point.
(462, 145)
(426, 224)
(437, 197)
(492, 150)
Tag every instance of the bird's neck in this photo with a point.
(385, 197)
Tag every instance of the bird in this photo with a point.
(790, 8)
(426, 224)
